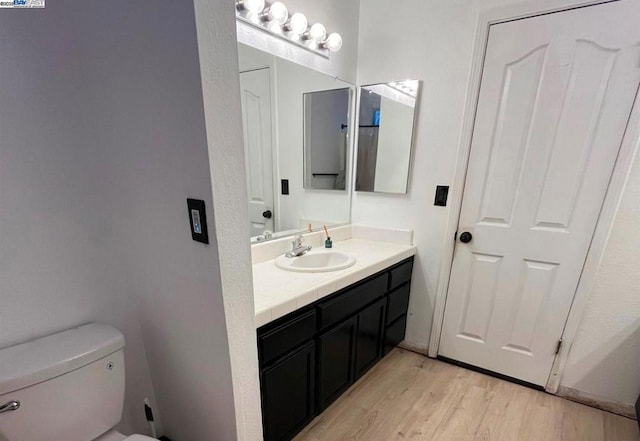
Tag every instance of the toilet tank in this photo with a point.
(69, 385)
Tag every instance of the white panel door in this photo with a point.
(555, 99)
(255, 89)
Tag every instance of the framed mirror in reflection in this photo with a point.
(326, 138)
(296, 124)
(385, 136)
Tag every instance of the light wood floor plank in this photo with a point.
(619, 428)
(411, 397)
(435, 407)
(505, 414)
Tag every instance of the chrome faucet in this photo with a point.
(298, 247)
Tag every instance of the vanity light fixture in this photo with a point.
(253, 6)
(277, 13)
(274, 18)
(297, 24)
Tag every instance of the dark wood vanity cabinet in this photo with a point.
(311, 356)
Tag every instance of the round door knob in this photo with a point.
(267, 214)
(466, 237)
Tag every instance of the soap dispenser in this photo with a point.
(328, 243)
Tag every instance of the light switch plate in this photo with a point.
(198, 220)
(442, 193)
(284, 184)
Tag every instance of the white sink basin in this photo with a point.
(316, 262)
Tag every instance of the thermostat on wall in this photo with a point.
(198, 220)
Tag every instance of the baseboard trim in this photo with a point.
(625, 410)
(413, 348)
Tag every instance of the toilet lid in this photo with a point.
(139, 438)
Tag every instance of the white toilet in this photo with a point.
(65, 387)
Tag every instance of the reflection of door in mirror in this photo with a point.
(326, 122)
(255, 88)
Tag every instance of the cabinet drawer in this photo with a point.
(398, 302)
(347, 303)
(286, 337)
(394, 334)
(400, 274)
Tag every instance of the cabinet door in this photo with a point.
(288, 392)
(395, 334)
(335, 362)
(369, 336)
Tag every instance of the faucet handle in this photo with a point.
(10, 406)
(298, 240)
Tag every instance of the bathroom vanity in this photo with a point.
(324, 316)
(311, 355)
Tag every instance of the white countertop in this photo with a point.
(278, 292)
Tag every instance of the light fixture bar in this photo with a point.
(274, 19)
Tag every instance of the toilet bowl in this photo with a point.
(66, 386)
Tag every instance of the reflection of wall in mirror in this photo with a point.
(394, 146)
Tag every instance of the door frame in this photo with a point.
(630, 145)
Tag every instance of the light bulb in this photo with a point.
(297, 24)
(277, 13)
(254, 6)
(317, 33)
(333, 42)
(274, 27)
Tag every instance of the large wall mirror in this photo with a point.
(385, 136)
(296, 124)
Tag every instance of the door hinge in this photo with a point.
(558, 347)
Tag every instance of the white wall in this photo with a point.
(604, 361)
(103, 138)
(223, 117)
(394, 146)
(60, 115)
(433, 41)
(151, 94)
(337, 15)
